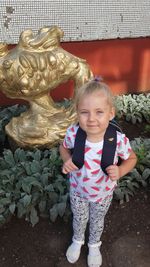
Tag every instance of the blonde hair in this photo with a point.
(91, 87)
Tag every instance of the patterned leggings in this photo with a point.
(84, 211)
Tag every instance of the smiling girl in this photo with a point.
(91, 189)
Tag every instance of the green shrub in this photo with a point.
(128, 184)
(31, 185)
(134, 108)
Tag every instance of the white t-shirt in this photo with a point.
(90, 182)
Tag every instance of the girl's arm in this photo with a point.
(116, 172)
(68, 165)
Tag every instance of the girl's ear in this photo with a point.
(112, 113)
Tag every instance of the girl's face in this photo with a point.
(94, 113)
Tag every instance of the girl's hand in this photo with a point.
(113, 172)
(69, 166)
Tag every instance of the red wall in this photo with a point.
(123, 63)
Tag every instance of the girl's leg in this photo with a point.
(96, 220)
(80, 209)
(97, 215)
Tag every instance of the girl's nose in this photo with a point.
(91, 117)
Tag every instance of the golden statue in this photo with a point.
(30, 71)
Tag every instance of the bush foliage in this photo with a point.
(32, 185)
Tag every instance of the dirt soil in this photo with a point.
(45, 244)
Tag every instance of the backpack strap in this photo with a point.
(109, 146)
(79, 147)
(116, 125)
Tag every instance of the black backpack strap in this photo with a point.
(79, 147)
(114, 123)
(109, 147)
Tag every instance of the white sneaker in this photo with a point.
(94, 257)
(73, 251)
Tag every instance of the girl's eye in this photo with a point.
(99, 112)
(84, 112)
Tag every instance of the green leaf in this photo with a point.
(2, 209)
(19, 155)
(35, 167)
(12, 207)
(127, 197)
(9, 158)
(44, 163)
(61, 208)
(135, 184)
(59, 187)
(20, 209)
(26, 200)
(44, 178)
(146, 173)
(26, 186)
(129, 192)
(27, 167)
(144, 183)
(130, 186)
(118, 193)
(49, 188)
(133, 118)
(53, 197)
(36, 195)
(42, 206)
(30, 182)
(37, 155)
(5, 201)
(53, 213)
(34, 219)
(64, 198)
(2, 219)
(5, 173)
(128, 117)
(37, 185)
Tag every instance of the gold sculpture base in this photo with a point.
(39, 127)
